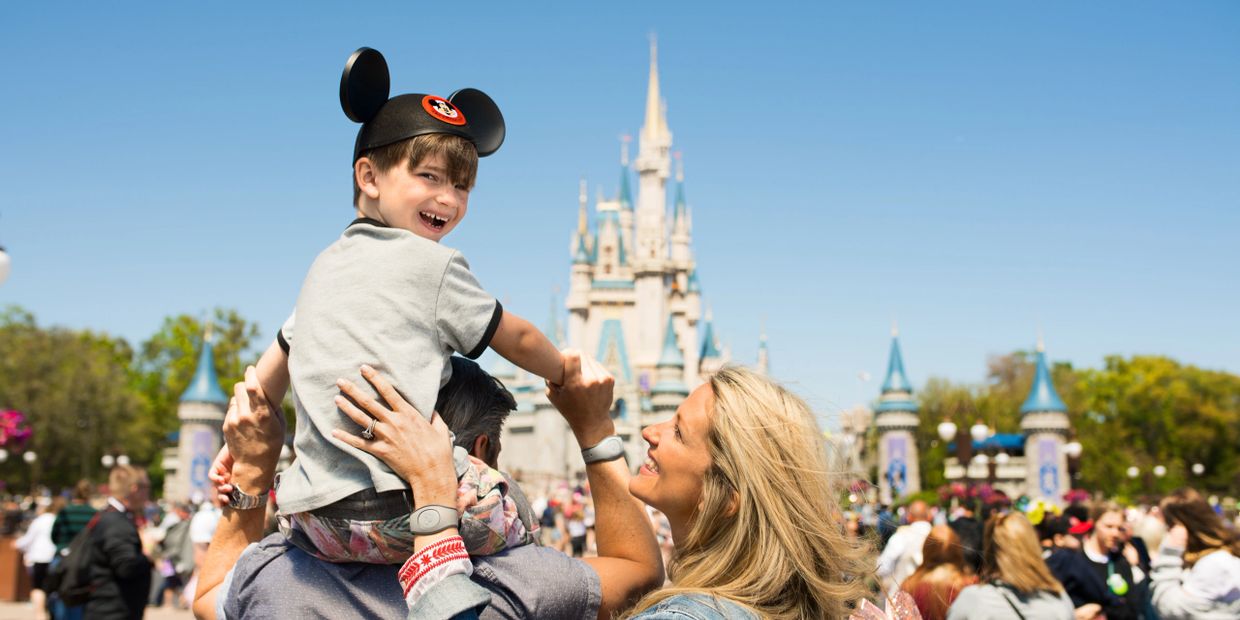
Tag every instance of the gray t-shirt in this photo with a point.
(385, 297)
(274, 579)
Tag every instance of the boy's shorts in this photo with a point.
(489, 522)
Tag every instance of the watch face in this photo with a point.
(428, 519)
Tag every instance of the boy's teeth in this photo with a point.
(651, 465)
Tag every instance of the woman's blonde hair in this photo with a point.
(1011, 554)
(1207, 532)
(763, 535)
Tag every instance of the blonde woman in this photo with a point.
(740, 472)
(1016, 584)
(1196, 573)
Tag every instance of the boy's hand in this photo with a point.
(584, 398)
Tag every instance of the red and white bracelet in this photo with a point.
(431, 565)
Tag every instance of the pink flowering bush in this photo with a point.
(14, 430)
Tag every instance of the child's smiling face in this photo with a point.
(421, 199)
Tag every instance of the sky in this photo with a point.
(975, 171)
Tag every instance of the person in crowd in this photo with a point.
(902, 555)
(275, 579)
(74, 516)
(1196, 573)
(1098, 579)
(38, 550)
(176, 551)
(69, 521)
(1015, 582)
(119, 571)
(942, 575)
(741, 473)
(575, 521)
(969, 529)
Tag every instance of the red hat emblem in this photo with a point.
(440, 109)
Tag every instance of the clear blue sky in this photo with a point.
(973, 169)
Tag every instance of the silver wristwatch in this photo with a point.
(432, 519)
(609, 449)
(240, 500)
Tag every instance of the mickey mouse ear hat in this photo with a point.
(364, 87)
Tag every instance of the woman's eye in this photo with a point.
(676, 429)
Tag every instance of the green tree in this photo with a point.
(75, 388)
(165, 364)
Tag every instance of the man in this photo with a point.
(118, 568)
(969, 529)
(274, 579)
(902, 555)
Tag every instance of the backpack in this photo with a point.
(69, 574)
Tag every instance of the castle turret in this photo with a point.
(201, 412)
(670, 388)
(764, 356)
(711, 359)
(650, 236)
(1044, 422)
(896, 420)
(681, 239)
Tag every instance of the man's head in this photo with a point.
(420, 184)
(918, 511)
(474, 406)
(129, 485)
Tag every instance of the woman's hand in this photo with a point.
(1088, 611)
(418, 451)
(584, 398)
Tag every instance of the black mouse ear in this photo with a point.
(364, 85)
(485, 121)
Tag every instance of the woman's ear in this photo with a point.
(364, 174)
(734, 505)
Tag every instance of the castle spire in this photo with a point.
(654, 103)
(1042, 394)
(764, 359)
(204, 387)
(582, 200)
(680, 191)
(626, 194)
(896, 381)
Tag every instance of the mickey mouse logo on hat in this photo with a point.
(442, 110)
(364, 87)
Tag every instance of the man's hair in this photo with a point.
(1011, 554)
(473, 404)
(459, 155)
(122, 479)
(82, 490)
(764, 534)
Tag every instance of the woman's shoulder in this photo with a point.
(697, 607)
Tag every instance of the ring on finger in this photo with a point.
(369, 433)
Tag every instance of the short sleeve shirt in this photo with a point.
(385, 297)
(274, 579)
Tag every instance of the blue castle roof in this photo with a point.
(694, 285)
(709, 349)
(611, 340)
(582, 256)
(626, 195)
(1042, 396)
(671, 355)
(680, 199)
(205, 386)
(896, 381)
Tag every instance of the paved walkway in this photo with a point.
(23, 611)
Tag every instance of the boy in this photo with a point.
(388, 295)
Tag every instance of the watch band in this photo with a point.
(240, 500)
(433, 518)
(609, 449)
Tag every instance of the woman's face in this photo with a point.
(671, 477)
(1107, 530)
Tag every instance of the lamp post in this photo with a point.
(948, 431)
(1198, 469)
(1073, 450)
(30, 457)
(5, 265)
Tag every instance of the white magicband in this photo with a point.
(609, 449)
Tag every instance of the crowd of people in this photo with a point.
(1179, 558)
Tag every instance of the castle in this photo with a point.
(634, 302)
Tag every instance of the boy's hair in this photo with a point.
(458, 154)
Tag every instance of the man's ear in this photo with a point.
(481, 450)
(364, 174)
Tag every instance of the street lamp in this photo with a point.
(30, 457)
(1160, 471)
(1198, 469)
(1133, 472)
(107, 461)
(979, 432)
(4, 455)
(122, 460)
(947, 431)
(5, 264)
(1072, 449)
(1002, 458)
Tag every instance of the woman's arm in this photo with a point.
(629, 563)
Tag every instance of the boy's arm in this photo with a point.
(272, 371)
(522, 344)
